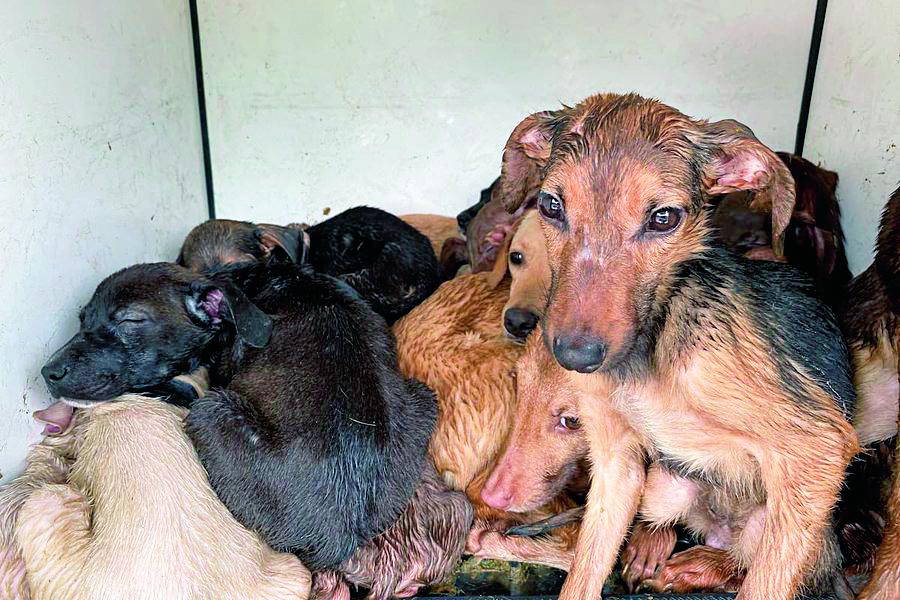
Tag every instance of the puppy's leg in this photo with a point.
(550, 551)
(53, 531)
(802, 485)
(885, 581)
(617, 480)
(329, 585)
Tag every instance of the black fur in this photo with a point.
(390, 263)
(314, 439)
(784, 305)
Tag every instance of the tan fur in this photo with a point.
(48, 462)
(717, 408)
(453, 342)
(437, 228)
(138, 519)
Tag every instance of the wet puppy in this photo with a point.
(136, 518)
(724, 370)
(310, 436)
(390, 264)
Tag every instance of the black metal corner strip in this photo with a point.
(811, 64)
(201, 106)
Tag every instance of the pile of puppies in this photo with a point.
(624, 353)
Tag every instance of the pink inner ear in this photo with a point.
(212, 305)
(742, 172)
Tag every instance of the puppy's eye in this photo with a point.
(570, 423)
(550, 207)
(664, 219)
(131, 321)
(516, 258)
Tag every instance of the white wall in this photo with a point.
(406, 104)
(854, 120)
(100, 167)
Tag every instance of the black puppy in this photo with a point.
(315, 441)
(389, 262)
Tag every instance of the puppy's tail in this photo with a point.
(567, 517)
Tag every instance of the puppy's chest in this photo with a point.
(686, 440)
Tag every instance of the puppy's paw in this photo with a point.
(646, 551)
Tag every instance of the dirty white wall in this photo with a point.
(100, 167)
(406, 104)
(854, 118)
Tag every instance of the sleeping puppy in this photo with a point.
(313, 438)
(137, 519)
(390, 264)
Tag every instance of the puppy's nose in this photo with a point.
(53, 373)
(579, 353)
(496, 492)
(519, 322)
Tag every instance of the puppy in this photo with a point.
(872, 325)
(138, 519)
(446, 241)
(454, 343)
(723, 370)
(529, 269)
(309, 415)
(390, 264)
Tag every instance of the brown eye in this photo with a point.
(665, 219)
(570, 423)
(550, 207)
(516, 258)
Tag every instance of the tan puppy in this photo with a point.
(138, 519)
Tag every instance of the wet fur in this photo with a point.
(305, 429)
(454, 343)
(872, 322)
(386, 260)
(725, 370)
(421, 548)
(138, 519)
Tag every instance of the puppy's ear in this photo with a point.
(289, 240)
(735, 160)
(501, 265)
(524, 158)
(213, 304)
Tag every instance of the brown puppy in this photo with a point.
(529, 268)
(872, 323)
(138, 519)
(814, 238)
(454, 343)
(724, 370)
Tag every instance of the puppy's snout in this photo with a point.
(54, 372)
(579, 353)
(519, 322)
